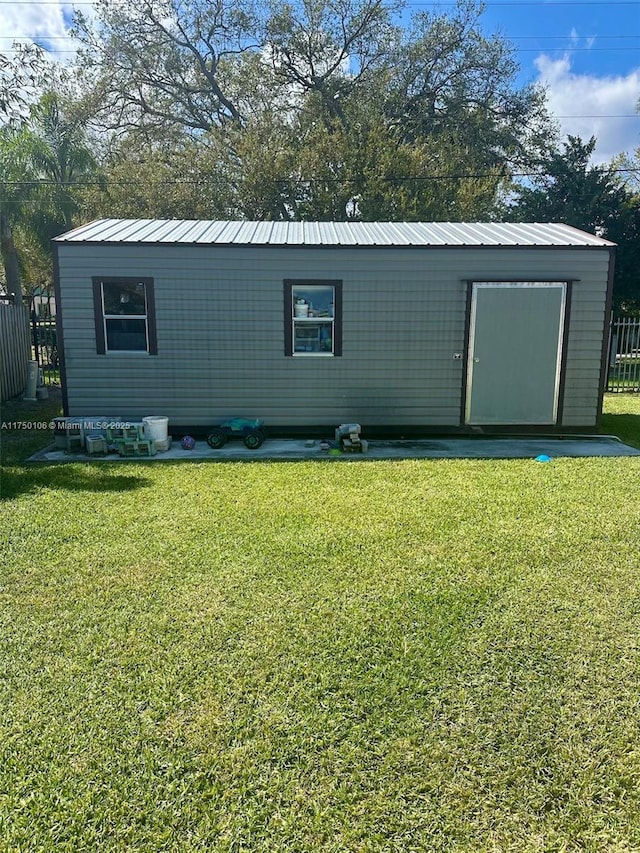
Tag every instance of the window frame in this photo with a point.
(100, 317)
(289, 319)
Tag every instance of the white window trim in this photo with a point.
(106, 317)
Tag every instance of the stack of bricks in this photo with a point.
(131, 441)
(96, 445)
(96, 437)
(348, 435)
(69, 434)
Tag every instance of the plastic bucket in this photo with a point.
(156, 428)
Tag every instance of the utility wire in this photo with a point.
(203, 181)
(541, 49)
(490, 3)
(563, 36)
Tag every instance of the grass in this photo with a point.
(379, 656)
(621, 417)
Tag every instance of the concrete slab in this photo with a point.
(442, 448)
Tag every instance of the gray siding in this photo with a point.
(220, 315)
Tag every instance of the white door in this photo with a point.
(515, 352)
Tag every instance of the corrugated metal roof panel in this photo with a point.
(331, 233)
(339, 234)
(279, 232)
(178, 231)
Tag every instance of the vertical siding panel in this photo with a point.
(15, 349)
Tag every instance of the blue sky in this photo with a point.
(586, 53)
(602, 37)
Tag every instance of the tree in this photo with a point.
(449, 80)
(20, 78)
(320, 108)
(593, 198)
(329, 49)
(429, 127)
(625, 231)
(568, 189)
(17, 186)
(163, 64)
(178, 179)
(41, 161)
(61, 157)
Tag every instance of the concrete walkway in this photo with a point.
(443, 448)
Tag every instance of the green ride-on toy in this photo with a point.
(250, 431)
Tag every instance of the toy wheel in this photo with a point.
(254, 439)
(217, 438)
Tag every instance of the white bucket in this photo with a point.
(156, 428)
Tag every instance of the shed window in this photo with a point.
(124, 315)
(313, 321)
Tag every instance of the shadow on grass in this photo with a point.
(24, 480)
(626, 427)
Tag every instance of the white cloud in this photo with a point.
(586, 105)
(35, 22)
(45, 24)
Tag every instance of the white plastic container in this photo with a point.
(347, 429)
(156, 428)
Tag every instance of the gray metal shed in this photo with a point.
(402, 327)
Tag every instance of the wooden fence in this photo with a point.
(15, 349)
(624, 355)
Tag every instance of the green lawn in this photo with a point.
(370, 656)
(621, 417)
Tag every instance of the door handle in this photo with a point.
(476, 360)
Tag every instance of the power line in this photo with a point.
(538, 49)
(446, 3)
(564, 36)
(602, 115)
(509, 37)
(312, 180)
(571, 49)
(541, 3)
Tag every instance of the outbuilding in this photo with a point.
(405, 328)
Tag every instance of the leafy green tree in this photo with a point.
(20, 78)
(451, 81)
(593, 198)
(180, 179)
(569, 189)
(625, 231)
(329, 50)
(426, 123)
(17, 192)
(61, 157)
(318, 108)
(163, 64)
(42, 161)
(20, 75)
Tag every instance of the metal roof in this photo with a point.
(241, 233)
